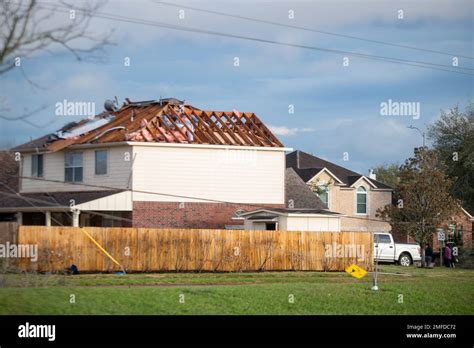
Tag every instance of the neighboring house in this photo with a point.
(457, 230)
(304, 211)
(357, 197)
(157, 163)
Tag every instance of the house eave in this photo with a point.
(161, 144)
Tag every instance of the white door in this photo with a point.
(383, 247)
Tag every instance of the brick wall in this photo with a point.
(189, 215)
(461, 220)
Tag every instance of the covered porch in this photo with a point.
(77, 209)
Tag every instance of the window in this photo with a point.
(101, 162)
(382, 238)
(323, 194)
(37, 165)
(73, 167)
(270, 226)
(361, 200)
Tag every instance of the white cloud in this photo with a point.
(286, 131)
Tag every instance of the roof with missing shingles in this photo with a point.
(166, 121)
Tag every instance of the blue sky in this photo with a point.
(337, 108)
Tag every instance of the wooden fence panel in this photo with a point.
(8, 232)
(151, 250)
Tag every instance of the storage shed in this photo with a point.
(317, 220)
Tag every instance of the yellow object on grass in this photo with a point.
(356, 271)
(102, 249)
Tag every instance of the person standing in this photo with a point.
(428, 255)
(447, 256)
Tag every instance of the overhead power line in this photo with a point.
(48, 204)
(420, 64)
(257, 20)
(16, 194)
(202, 199)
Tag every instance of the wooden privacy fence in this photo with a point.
(8, 232)
(149, 250)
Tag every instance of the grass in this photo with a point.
(425, 291)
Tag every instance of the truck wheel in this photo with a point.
(405, 260)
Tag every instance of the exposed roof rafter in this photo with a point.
(165, 121)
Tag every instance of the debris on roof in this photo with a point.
(166, 120)
(86, 127)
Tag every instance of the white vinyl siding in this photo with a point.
(175, 174)
(316, 224)
(184, 173)
(300, 223)
(119, 164)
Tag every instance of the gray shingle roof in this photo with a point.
(298, 191)
(306, 166)
(52, 200)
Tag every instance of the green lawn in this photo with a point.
(425, 291)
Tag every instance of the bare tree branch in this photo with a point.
(29, 28)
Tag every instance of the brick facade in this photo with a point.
(189, 214)
(463, 222)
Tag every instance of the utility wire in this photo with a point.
(257, 20)
(16, 194)
(421, 64)
(48, 205)
(258, 206)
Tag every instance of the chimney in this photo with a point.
(372, 175)
(297, 159)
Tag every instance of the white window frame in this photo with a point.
(328, 191)
(366, 201)
(73, 166)
(106, 162)
(37, 156)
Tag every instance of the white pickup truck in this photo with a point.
(386, 250)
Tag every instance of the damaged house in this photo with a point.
(159, 163)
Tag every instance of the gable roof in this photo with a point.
(468, 212)
(269, 213)
(300, 193)
(165, 120)
(363, 177)
(308, 173)
(306, 164)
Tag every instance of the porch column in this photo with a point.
(48, 218)
(19, 218)
(75, 217)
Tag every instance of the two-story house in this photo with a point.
(357, 197)
(160, 163)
